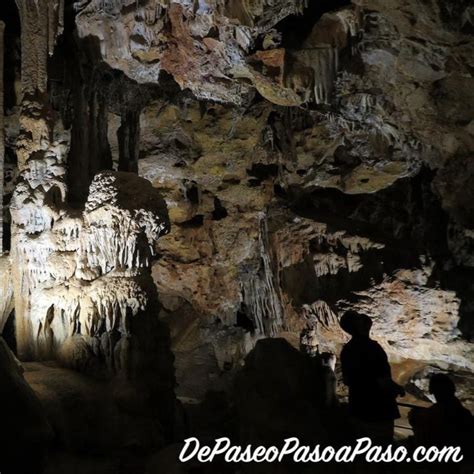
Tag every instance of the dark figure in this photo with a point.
(367, 373)
(447, 422)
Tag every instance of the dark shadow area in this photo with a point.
(85, 90)
(296, 28)
(9, 332)
(11, 90)
(406, 215)
(12, 51)
(407, 218)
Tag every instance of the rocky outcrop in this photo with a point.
(210, 47)
(87, 280)
(389, 242)
(344, 271)
(88, 294)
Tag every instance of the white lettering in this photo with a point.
(187, 442)
(313, 454)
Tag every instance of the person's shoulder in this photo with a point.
(467, 414)
(347, 348)
(375, 345)
(373, 342)
(348, 345)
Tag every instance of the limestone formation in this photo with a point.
(207, 47)
(82, 285)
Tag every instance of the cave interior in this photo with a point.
(194, 193)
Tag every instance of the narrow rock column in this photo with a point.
(39, 157)
(41, 23)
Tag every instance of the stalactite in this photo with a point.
(259, 291)
(325, 68)
(320, 320)
(43, 16)
(320, 53)
(88, 274)
(320, 313)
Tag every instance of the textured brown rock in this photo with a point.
(41, 23)
(206, 47)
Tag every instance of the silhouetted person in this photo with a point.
(367, 373)
(447, 422)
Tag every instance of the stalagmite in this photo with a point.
(40, 159)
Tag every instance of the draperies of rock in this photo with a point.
(259, 292)
(41, 22)
(99, 269)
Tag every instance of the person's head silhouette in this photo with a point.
(442, 387)
(356, 324)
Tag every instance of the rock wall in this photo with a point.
(369, 226)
